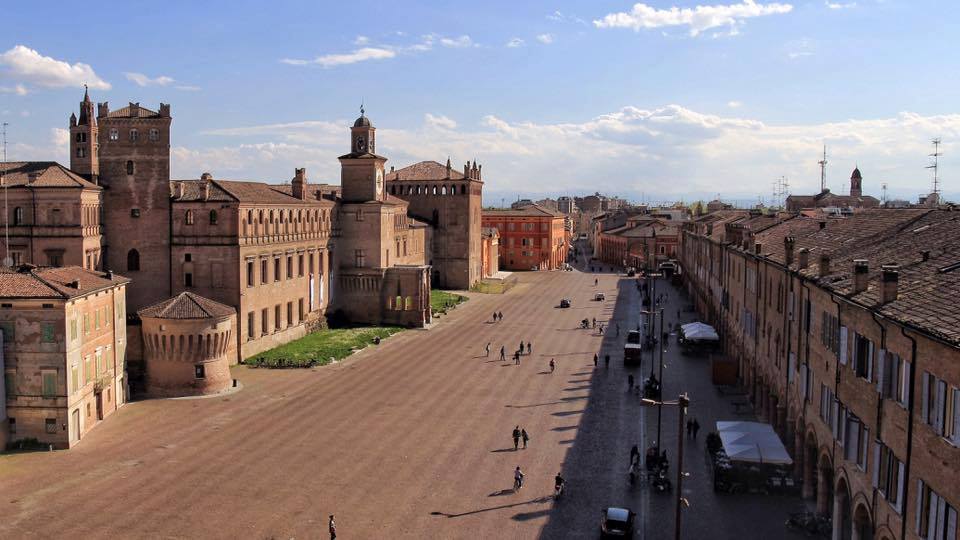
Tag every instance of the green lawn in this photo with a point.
(317, 348)
(441, 301)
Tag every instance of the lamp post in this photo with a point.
(682, 402)
(653, 311)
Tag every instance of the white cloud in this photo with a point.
(361, 40)
(734, 104)
(516, 42)
(800, 48)
(142, 80)
(546, 39)
(188, 88)
(558, 16)
(671, 150)
(330, 60)
(697, 19)
(838, 5)
(18, 89)
(26, 65)
(439, 122)
(459, 42)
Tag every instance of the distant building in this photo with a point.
(521, 203)
(531, 237)
(825, 198)
(64, 339)
(566, 205)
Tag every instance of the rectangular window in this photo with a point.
(46, 332)
(276, 269)
(87, 370)
(936, 520)
(188, 280)
(251, 325)
(263, 271)
(96, 319)
(199, 371)
(276, 317)
(862, 357)
(264, 321)
(49, 384)
(953, 418)
(300, 308)
(289, 313)
(74, 378)
(51, 426)
(289, 266)
(250, 276)
(888, 474)
(300, 265)
(134, 135)
(114, 135)
(154, 134)
(7, 329)
(358, 258)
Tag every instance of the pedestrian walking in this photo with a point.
(494, 316)
(517, 478)
(696, 428)
(553, 365)
(332, 527)
(595, 281)
(529, 348)
(521, 346)
(606, 361)
(503, 354)
(516, 358)
(486, 349)
(500, 316)
(634, 455)
(525, 437)
(595, 359)
(630, 381)
(601, 329)
(516, 437)
(618, 329)
(689, 427)
(593, 322)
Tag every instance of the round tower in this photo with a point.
(188, 344)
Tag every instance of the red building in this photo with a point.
(531, 237)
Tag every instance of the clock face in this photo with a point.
(361, 144)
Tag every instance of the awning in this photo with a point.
(698, 331)
(752, 442)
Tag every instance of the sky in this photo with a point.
(654, 101)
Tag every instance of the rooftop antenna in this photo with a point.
(935, 165)
(7, 261)
(883, 187)
(823, 170)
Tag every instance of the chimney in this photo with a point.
(180, 190)
(207, 178)
(788, 243)
(757, 248)
(300, 184)
(861, 271)
(109, 274)
(889, 281)
(75, 284)
(824, 265)
(803, 258)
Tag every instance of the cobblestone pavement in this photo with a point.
(408, 439)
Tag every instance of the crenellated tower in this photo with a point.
(84, 143)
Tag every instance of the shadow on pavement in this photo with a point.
(538, 500)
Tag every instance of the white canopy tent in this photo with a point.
(698, 331)
(752, 442)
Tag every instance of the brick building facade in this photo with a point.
(531, 238)
(64, 341)
(845, 337)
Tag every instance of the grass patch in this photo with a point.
(441, 301)
(317, 348)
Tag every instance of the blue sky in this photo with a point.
(665, 100)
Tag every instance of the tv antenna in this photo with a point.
(823, 170)
(935, 165)
(883, 187)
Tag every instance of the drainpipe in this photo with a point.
(910, 413)
(879, 420)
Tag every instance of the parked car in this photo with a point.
(599, 297)
(633, 336)
(564, 303)
(616, 523)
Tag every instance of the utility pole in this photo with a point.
(823, 170)
(935, 165)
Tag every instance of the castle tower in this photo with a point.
(361, 171)
(135, 173)
(84, 146)
(856, 183)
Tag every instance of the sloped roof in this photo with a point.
(235, 190)
(424, 170)
(532, 210)
(187, 305)
(28, 281)
(43, 173)
(124, 112)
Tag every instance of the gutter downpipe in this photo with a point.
(910, 412)
(879, 416)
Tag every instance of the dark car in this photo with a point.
(564, 303)
(616, 523)
(633, 337)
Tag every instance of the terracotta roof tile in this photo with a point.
(532, 210)
(425, 170)
(187, 305)
(42, 174)
(29, 281)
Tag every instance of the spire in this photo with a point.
(86, 94)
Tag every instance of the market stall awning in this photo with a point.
(698, 331)
(752, 442)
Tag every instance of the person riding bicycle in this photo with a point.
(517, 478)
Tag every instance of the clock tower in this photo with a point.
(361, 171)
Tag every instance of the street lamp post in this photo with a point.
(682, 402)
(653, 311)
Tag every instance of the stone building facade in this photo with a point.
(825, 199)
(531, 238)
(450, 201)
(845, 337)
(64, 341)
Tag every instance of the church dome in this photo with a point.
(363, 121)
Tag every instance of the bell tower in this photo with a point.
(361, 171)
(84, 145)
(856, 183)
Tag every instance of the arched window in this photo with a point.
(213, 217)
(434, 190)
(443, 190)
(189, 217)
(249, 216)
(129, 167)
(18, 216)
(133, 261)
(453, 190)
